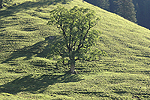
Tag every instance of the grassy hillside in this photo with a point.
(26, 73)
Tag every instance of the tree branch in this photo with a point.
(65, 37)
(80, 44)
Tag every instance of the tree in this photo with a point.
(104, 4)
(112, 6)
(78, 37)
(143, 14)
(1, 2)
(125, 8)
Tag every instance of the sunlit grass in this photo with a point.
(27, 74)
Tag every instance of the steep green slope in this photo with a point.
(26, 73)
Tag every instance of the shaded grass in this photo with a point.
(36, 84)
(27, 73)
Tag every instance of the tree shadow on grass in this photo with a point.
(38, 84)
(35, 83)
(27, 5)
(40, 49)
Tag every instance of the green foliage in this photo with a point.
(125, 8)
(143, 16)
(104, 4)
(75, 28)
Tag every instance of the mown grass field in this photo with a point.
(27, 74)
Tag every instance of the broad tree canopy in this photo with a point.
(78, 36)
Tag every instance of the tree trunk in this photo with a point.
(72, 68)
(72, 63)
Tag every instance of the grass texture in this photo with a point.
(26, 73)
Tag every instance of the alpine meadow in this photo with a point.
(30, 71)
